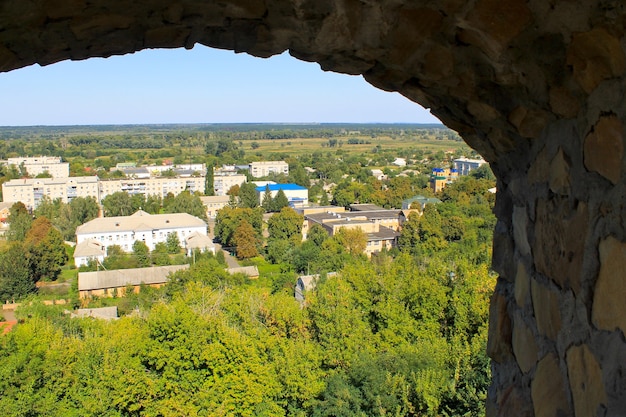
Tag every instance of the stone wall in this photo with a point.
(536, 86)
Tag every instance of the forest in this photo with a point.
(400, 334)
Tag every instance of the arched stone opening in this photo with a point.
(536, 87)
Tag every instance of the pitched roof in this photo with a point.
(119, 278)
(198, 241)
(89, 247)
(140, 221)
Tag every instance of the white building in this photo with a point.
(31, 191)
(148, 228)
(36, 165)
(296, 195)
(265, 168)
(465, 165)
(160, 186)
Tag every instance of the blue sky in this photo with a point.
(199, 86)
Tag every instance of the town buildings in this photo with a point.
(212, 203)
(380, 226)
(123, 231)
(465, 165)
(296, 195)
(36, 165)
(440, 177)
(31, 191)
(265, 168)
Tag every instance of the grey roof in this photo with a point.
(119, 278)
(139, 221)
(251, 271)
(105, 313)
(384, 233)
(365, 207)
(89, 248)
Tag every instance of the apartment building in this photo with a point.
(465, 165)
(160, 186)
(31, 191)
(265, 168)
(36, 165)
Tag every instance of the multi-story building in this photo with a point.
(160, 186)
(265, 168)
(223, 181)
(36, 165)
(465, 165)
(441, 177)
(31, 191)
(141, 226)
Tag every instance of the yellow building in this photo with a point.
(441, 177)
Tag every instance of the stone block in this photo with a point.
(529, 122)
(585, 379)
(499, 341)
(563, 102)
(604, 148)
(608, 312)
(524, 345)
(522, 284)
(548, 389)
(546, 309)
(520, 234)
(492, 24)
(595, 56)
(559, 173)
(560, 233)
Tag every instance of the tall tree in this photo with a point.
(117, 204)
(286, 225)
(141, 253)
(186, 202)
(246, 241)
(267, 199)
(248, 197)
(16, 278)
(47, 250)
(279, 201)
(209, 186)
(173, 243)
(19, 222)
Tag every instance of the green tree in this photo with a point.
(280, 201)
(46, 250)
(286, 225)
(228, 219)
(141, 253)
(117, 204)
(173, 243)
(16, 278)
(160, 254)
(209, 185)
(353, 239)
(267, 199)
(186, 202)
(248, 197)
(19, 221)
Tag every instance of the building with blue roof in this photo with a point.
(297, 195)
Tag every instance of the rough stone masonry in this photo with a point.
(537, 86)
